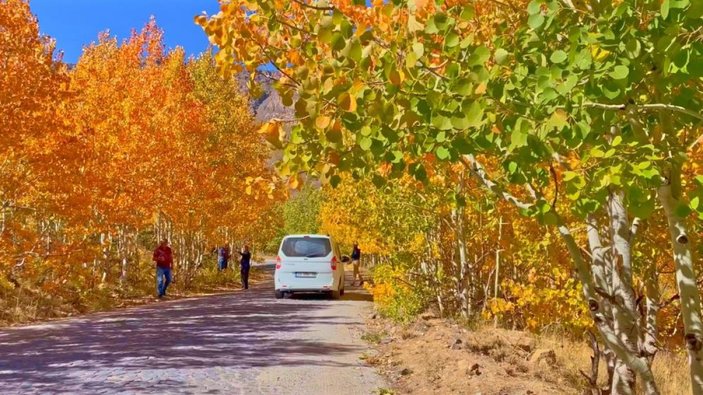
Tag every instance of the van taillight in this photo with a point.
(333, 263)
(278, 262)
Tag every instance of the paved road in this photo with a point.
(241, 343)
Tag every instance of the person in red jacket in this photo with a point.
(163, 256)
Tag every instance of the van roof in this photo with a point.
(308, 235)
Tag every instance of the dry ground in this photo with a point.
(434, 356)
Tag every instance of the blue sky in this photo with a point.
(75, 23)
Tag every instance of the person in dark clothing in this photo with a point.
(356, 261)
(163, 256)
(245, 265)
(223, 255)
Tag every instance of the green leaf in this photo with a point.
(452, 40)
(414, 25)
(534, 7)
(665, 9)
(441, 20)
(365, 143)
(479, 56)
(512, 167)
(683, 210)
(418, 49)
(583, 59)
(431, 28)
(501, 56)
(558, 56)
(410, 60)
(463, 87)
(610, 90)
(634, 48)
(519, 135)
(643, 207)
(535, 21)
(442, 153)
(550, 218)
(460, 122)
(355, 52)
(570, 175)
(474, 114)
(620, 72)
(462, 146)
(597, 152)
(441, 122)
(468, 13)
(338, 42)
(695, 203)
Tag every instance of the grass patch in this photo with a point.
(373, 337)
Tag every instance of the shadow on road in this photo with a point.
(242, 330)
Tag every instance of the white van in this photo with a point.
(309, 263)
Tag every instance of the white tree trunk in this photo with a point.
(599, 315)
(687, 287)
(634, 361)
(625, 321)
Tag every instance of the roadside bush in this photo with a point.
(394, 297)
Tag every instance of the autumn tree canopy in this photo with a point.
(132, 144)
(570, 111)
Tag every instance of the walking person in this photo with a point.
(245, 265)
(356, 261)
(223, 255)
(163, 256)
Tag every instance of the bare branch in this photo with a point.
(646, 107)
(556, 185)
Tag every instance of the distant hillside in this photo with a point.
(269, 104)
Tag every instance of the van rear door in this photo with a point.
(306, 262)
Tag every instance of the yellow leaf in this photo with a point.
(200, 20)
(347, 102)
(599, 53)
(322, 121)
(357, 87)
(272, 132)
(396, 77)
(295, 182)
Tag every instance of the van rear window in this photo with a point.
(308, 247)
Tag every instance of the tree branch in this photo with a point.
(556, 185)
(645, 107)
(314, 7)
(470, 162)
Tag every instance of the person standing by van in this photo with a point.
(245, 264)
(356, 262)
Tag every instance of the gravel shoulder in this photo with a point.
(240, 343)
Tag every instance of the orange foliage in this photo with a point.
(134, 138)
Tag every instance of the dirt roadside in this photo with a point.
(434, 356)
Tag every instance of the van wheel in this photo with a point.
(279, 294)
